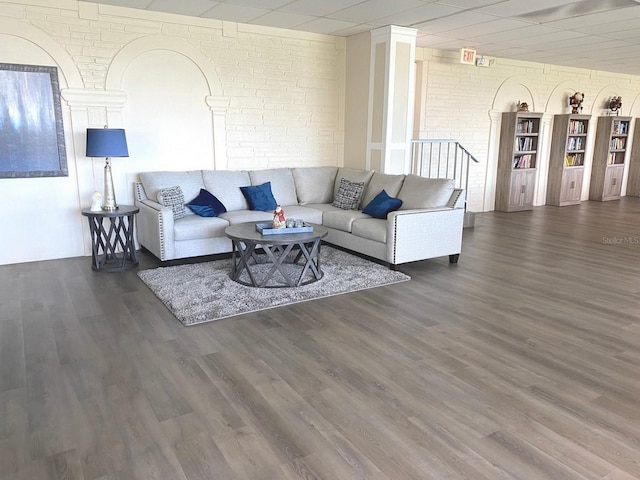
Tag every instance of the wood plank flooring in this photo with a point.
(522, 362)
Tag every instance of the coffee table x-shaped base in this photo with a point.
(246, 258)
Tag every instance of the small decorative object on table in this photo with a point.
(615, 104)
(575, 102)
(279, 220)
(96, 202)
(522, 106)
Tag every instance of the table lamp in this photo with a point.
(107, 142)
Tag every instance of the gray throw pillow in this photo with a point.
(348, 196)
(173, 198)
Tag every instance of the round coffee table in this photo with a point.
(277, 260)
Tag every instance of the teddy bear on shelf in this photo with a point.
(575, 102)
(522, 106)
(278, 218)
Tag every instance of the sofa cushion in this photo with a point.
(242, 216)
(173, 198)
(206, 205)
(225, 185)
(371, 229)
(306, 213)
(420, 192)
(259, 197)
(382, 181)
(348, 195)
(341, 219)
(381, 205)
(282, 185)
(352, 175)
(194, 227)
(189, 181)
(314, 184)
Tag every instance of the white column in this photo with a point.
(491, 172)
(544, 146)
(219, 106)
(391, 99)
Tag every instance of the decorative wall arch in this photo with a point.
(503, 99)
(129, 52)
(634, 111)
(558, 101)
(601, 100)
(67, 68)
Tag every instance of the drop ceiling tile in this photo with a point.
(461, 20)
(234, 13)
(465, 4)
(358, 28)
(261, 4)
(370, 10)
(142, 4)
(518, 7)
(327, 25)
(316, 7)
(282, 19)
(417, 15)
(488, 28)
(577, 23)
(185, 7)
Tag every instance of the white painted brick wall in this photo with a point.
(284, 86)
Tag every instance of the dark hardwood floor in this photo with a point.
(521, 362)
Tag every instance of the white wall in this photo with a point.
(191, 93)
(464, 103)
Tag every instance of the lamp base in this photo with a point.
(109, 199)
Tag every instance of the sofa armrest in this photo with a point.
(425, 233)
(155, 229)
(458, 198)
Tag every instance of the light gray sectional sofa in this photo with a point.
(428, 224)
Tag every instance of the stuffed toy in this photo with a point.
(575, 102)
(615, 104)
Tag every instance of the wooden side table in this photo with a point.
(112, 245)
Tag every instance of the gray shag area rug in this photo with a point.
(202, 292)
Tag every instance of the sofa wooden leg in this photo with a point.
(454, 258)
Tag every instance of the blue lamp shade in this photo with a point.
(106, 142)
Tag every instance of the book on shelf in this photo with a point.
(617, 143)
(574, 160)
(525, 144)
(620, 127)
(577, 127)
(523, 161)
(575, 143)
(615, 158)
(525, 126)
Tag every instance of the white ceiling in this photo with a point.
(592, 34)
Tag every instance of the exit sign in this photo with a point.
(468, 56)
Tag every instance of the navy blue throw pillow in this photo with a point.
(381, 205)
(206, 204)
(260, 197)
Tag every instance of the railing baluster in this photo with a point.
(461, 164)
